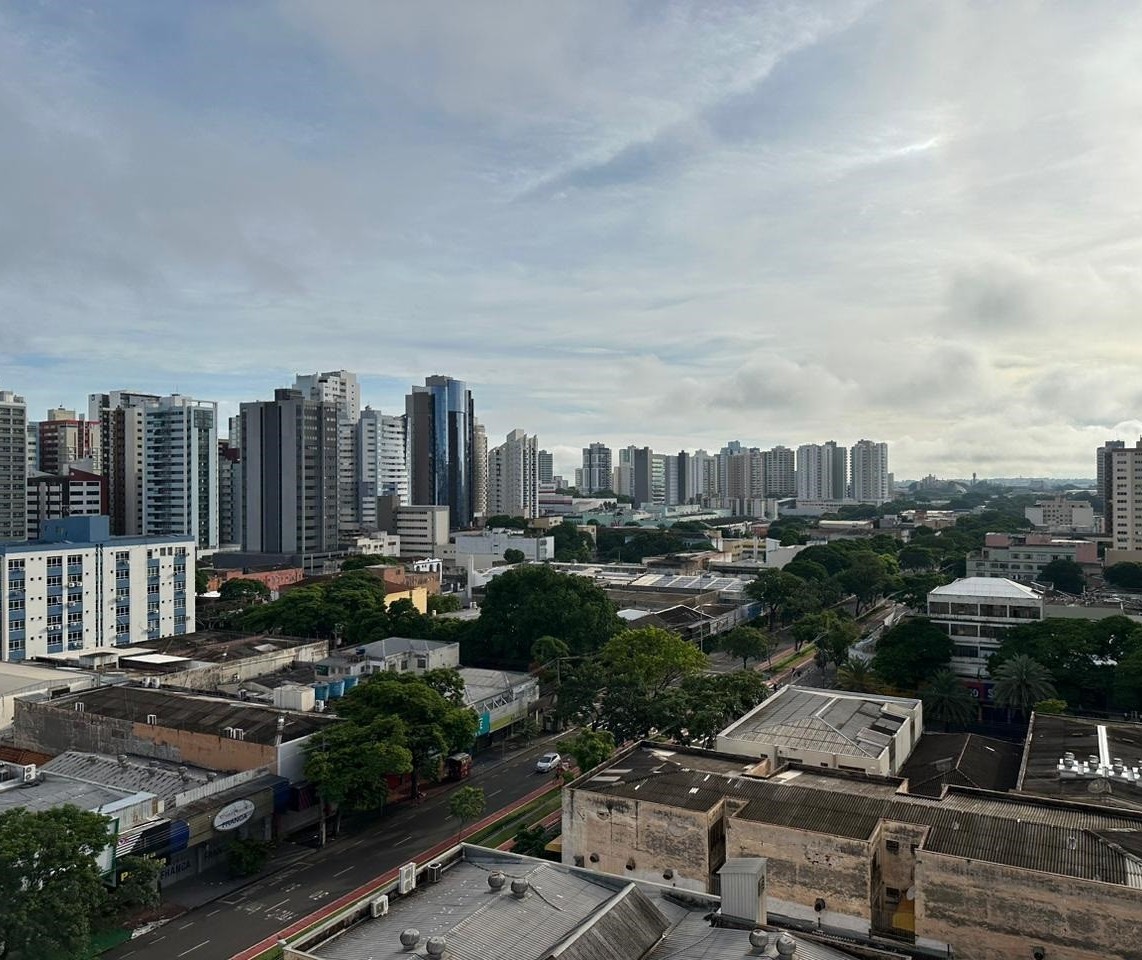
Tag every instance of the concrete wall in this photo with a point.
(51, 729)
(655, 837)
(994, 912)
(211, 677)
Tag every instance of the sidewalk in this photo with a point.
(217, 882)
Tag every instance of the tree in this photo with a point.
(746, 642)
(947, 700)
(1020, 683)
(243, 589)
(512, 555)
(50, 884)
(466, 804)
(838, 633)
(703, 704)
(138, 882)
(247, 855)
(1065, 575)
(444, 603)
(1128, 576)
(651, 658)
(502, 521)
(532, 601)
(911, 652)
(914, 557)
(548, 648)
(590, 748)
(865, 578)
(773, 589)
(530, 841)
(348, 762)
(435, 724)
(201, 580)
(912, 589)
(857, 676)
(359, 561)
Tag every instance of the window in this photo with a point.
(74, 558)
(56, 581)
(55, 620)
(152, 589)
(892, 846)
(76, 617)
(14, 565)
(15, 624)
(15, 603)
(16, 646)
(55, 563)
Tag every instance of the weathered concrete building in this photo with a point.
(974, 873)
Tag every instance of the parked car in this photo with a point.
(548, 762)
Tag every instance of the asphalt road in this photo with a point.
(230, 924)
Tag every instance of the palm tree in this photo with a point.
(1021, 683)
(946, 700)
(856, 675)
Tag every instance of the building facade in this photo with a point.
(513, 477)
(1063, 515)
(66, 440)
(290, 475)
(780, 465)
(1104, 480)
(870, 476)
(79, 588)
(596, 468)
(122, 431)
(1023, 557)
(382, 465)
(423, 530)
(180, 470)
(1124, 505)
(976, 612)
(340, 388)
(441, 443)
(13, 466)
(75, 493)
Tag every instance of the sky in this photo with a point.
(666, 223)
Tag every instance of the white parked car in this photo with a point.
(548, 762)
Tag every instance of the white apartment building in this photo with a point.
(382, 462)
(421, 529)
(513, 477)
(341, 388)
(76, 493)
(1125, 505)
(1062, 515)
(13, 466)
(180, 470)
(121, 434)
(780, 471)
(479, 469)
(871, 481)
(78, 588)
(976, 612)
(822, 471)
(597, 467)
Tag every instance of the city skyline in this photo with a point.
(781, 223)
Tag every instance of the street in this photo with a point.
(236, 921)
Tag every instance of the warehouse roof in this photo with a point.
(991, 587)
(130, 774)
(963, 760)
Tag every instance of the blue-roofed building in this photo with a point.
(77, 588)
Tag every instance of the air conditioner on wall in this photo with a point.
(407, 878)
(379, 907)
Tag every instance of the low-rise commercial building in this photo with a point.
(976, 612)
(500, 698)
(486, 549)
(1062, 515)
(422, 531)
(78, 588)
(1022, 557)
(391, 655)
(858, 732)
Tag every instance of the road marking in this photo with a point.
(494, 792)
(357, 843)
(195, 947)
(157, 939)
(346, 870)
(405, 840)
(278, 904)
(212, 912)
(185, 925)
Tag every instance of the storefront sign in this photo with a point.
(233, 815)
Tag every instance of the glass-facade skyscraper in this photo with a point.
(441, 443)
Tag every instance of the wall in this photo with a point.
(805, 866)
(54, 729)
(994, 912)
(274, 579)
(418, 596)
(656, 837)
(212, 676)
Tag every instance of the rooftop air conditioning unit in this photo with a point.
(407, 882)
(152, 719)
(379, 907)
(29, 773)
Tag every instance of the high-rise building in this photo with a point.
(13, 466)
(1125, 480)
(822, 471)
(703, 470)
(480, 470)
(546, 466)
(180, 469)
(66, 440)
(33, 442)
(121, 433)
(76, 493)
(1104, 483)
(870, 483)
(229, 489)
(642, 475)
(290, 474)
(597, 468)
(513, 477)
(745, 475)
(382, 465)
(340, 388)
(780, 469)
(441, 443)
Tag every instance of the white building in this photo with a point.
(340, 387)
(1062, 515)
(976, 612)
(780, 471)
(79, 588)
(180, 470)
(859, 732)
(486, 549)
(1124, 508)
(13, 466)
(421, 529)
(121, 435)
(822, 471)
(871, 481)
(513, 477)
(382, 464)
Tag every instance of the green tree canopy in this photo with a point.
(703, 704)
(947, 701)
(529, 602)
(241, 588)
(51, 889)
(866, 578)
(747, 642)
(916, 557)
(590, 748)
(359, 561)
(444, 603)
(1065, 575)
(911, 653)
(651, 658)
(1020, 683)
(512, 555)
(1128, 576)
(467, 804)
(857, 676)
(325, 609)
(348, 762)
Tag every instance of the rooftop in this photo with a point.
(219, 646)
(389, 647)
(997, 587)
(962, 760)
(198, 714)
(826, 721)
(22, 676)
(55, 791)
(133, 775)
(568, 912)
(480, 684)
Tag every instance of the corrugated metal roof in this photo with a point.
(986, 587)
(131, 775)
